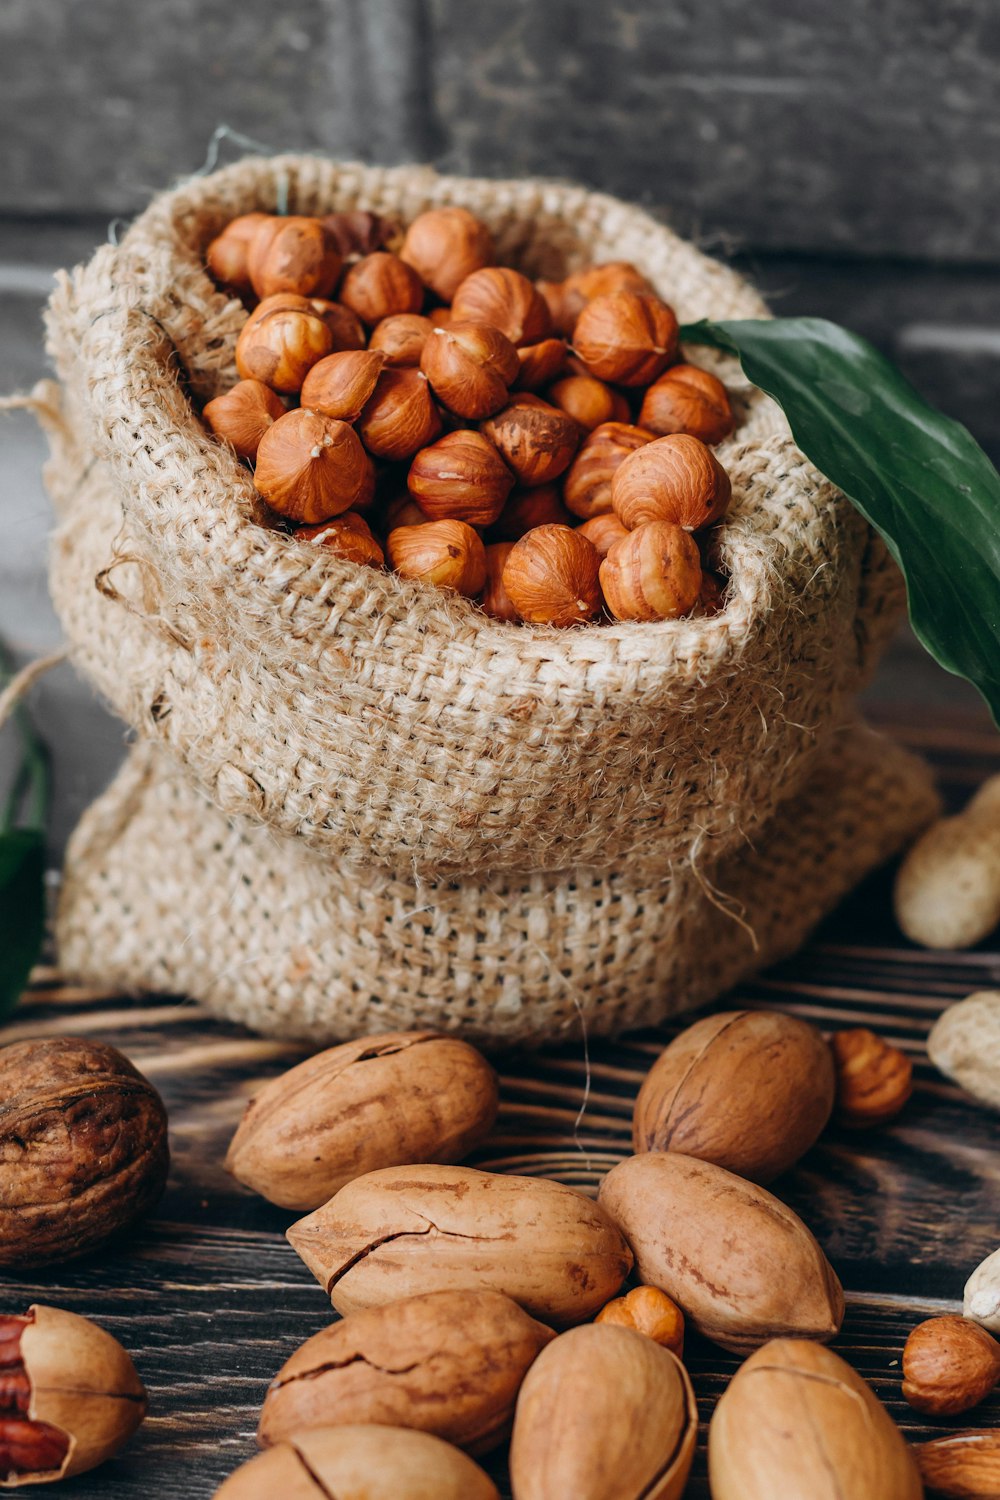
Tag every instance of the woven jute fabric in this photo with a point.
(164, 893)
(383, 722)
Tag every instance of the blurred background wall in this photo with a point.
(847, 158)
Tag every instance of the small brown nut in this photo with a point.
(281, 341)
(403, 510)
(460, 477)
(675, 479)
(315, 1128)
(525, 509)
(401, 338)
(503, 297)
(470, 367)
(603, 531)
(440, 317)
(962, 1465)
(687, 399)
(348, 536)
(495, 601)
(447, 1362)
(444, 246)
(83, 1149)
(400, 418)
(603, 1414)
(874, 1079)
(540, 363)
(447, 553)
(357, 232)
(653, 573)
(551, 577)
(311, 467)
(544, 1245)
(589, 402)
(587, 487)
(651, 1313)
(626, 337)
(712, 1242)
(379, 286)
(293, 254)
(242, 415)
(797, 1423)
(340, 384)
(536, 440)
(226, 256)
(345, 327)
(712, 598)
(949, 1365)
(562, 310)
(373, 1462)
(69, 1396)
(750, 1090)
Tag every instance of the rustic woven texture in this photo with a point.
(384, 722)
(163, 893)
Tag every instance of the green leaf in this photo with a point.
(920, 478)
(22, 909)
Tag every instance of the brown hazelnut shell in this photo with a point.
(340, 384)
(311, 467)
(654, 573)
(536, 440)
(348, 536)
(444, 246)
(280, 342)
(501, 296)
(495, 601)
(401, 338)
(448, 554)
(470, 367)
(603, 531)
(379, 286)
(551, 577)
(293, 254)
(460, 477)
(346, 327)
(357, 232)
(527, 508)
(627, 338)
(675, 478)
(587, 486)
(687, 399)
(241, 415)
(540, 363)
(400, 417)
(589, 402)
(226, 256)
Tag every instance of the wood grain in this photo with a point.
(211, 1300)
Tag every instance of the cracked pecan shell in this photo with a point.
(404, 1230)
(83, 1148)
(450, 1363)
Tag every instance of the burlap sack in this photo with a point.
(392, 760)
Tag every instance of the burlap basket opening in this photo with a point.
(570, 806)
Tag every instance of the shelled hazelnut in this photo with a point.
(226, 256)
(242, 415)
(293, 254)
(535, 439)
(380, 286)
(509, 301)
(653, 573)
(686, 399)
(587, 488)
(401, 338)
(540, 363)
(527, 508)
(495, 601)
(444, 246)
(626, 337)
(446, 553)
(340, 384)
(470, 367)
(348, 536)
(311, 467)
(460, 477)
(676, 479)
(280, 342)
(551, 577)
(400, 417)
(345, 327)
(357, 232)
(589, 402)
(603, 531)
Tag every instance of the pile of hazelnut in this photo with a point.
(532, 445)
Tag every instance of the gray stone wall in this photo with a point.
(847, 156)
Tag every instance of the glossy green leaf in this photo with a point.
(22, 909)
(920, 478)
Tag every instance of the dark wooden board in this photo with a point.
(211, 1300)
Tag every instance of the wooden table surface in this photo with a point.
(210, 1299)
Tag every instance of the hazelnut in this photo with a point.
(509, 301)
(874, 1079)
(344, 325)
(293, 254)
(470, 366)
(356, 232)
(460, 477)
(340, 384)
(348, 536)
(581, 287)
(403, 511)
(686, 399)
(446, 553)
(551, 577)
(310, 467)
(444, 246)
(949, 1365)
(381, 285)
(653, 573)
(589, 402)
(226, 256)
(280, 342)
(587, 487)
(242, 415)
(603, 530)
(562, 311)
(675, 479)
(626, 337)
(712, 598)
(651, 1313)
(83, 1149)
(537, 440)
(401, 417)
(69, 1396)
(401, 338)
(496, 601)
(440, 317)
(540, 363)
(527, 508)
